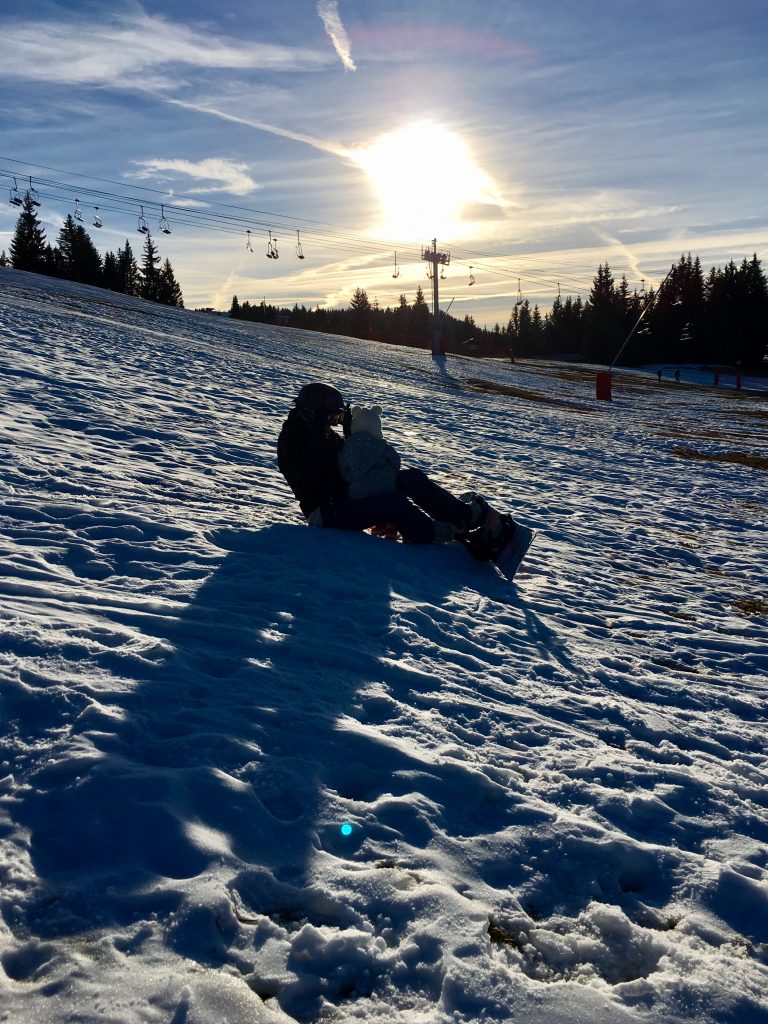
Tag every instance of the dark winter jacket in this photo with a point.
(309, 460)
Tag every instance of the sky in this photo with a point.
(533, 141)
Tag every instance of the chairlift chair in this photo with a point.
(14, 197)
(299, 250)
(248, 244)
(397, 269)
(442, 273)
(471, 277)
(142, 225)
(272, 253)
(519, 294)
(78, 211)
(34, 198)
(163, 224)
(97, 221)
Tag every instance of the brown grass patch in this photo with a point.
(490, 386)
(752, 606)
(736, 458)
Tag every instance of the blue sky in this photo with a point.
(534, 140)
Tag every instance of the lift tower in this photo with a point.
(435, 259)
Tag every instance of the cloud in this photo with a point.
(233, 175)
(329, 13)
(135, 50)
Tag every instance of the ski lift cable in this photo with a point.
(208, 216)
(210, 219)
(184, 196)
(497, 271)
(226, 224)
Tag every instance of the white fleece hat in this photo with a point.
(367, 419)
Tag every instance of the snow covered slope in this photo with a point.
(557, 789)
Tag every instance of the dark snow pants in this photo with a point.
(413, 509)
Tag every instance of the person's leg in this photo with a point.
(390, 507)
(435, 500)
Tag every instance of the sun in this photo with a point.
(425, 178)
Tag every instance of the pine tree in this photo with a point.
(420, 326)
(4, 262)
(361, 311)
(753, 311)
(109, 275)
(603, 328)
(234, 309)
(149, 286)
(80, 259)
(168, 290)
(128, 278)
(27, 248)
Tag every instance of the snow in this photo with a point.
(557, 788)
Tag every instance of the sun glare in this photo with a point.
(425, 178)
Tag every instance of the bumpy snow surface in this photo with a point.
(556, 788)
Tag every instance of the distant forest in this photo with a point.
(720, 318)
(76, 258)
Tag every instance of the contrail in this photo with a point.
(325, 145)
(329, 13)
(634, 262)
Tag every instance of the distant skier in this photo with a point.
(313, 458)
(658, 374)
(677, 376)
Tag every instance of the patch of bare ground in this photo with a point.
(478, 384)
(708, 434)
(736, 458)
(752, 606)
(760, 414)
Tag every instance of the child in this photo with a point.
(367, 462)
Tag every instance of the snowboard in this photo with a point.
(516, 538)
(508, 560)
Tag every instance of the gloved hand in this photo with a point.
(346, 420)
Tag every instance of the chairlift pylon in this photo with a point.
(142, 225)
(97, 221)
(397, 269)
(299, 250)
(14, 197)
(272, 253)
(163, 224)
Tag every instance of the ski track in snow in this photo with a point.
(557, 788)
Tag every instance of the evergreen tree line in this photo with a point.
(720, 318)
(76, 258)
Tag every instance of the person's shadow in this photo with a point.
(244, 742)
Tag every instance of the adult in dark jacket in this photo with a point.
(424, 513)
